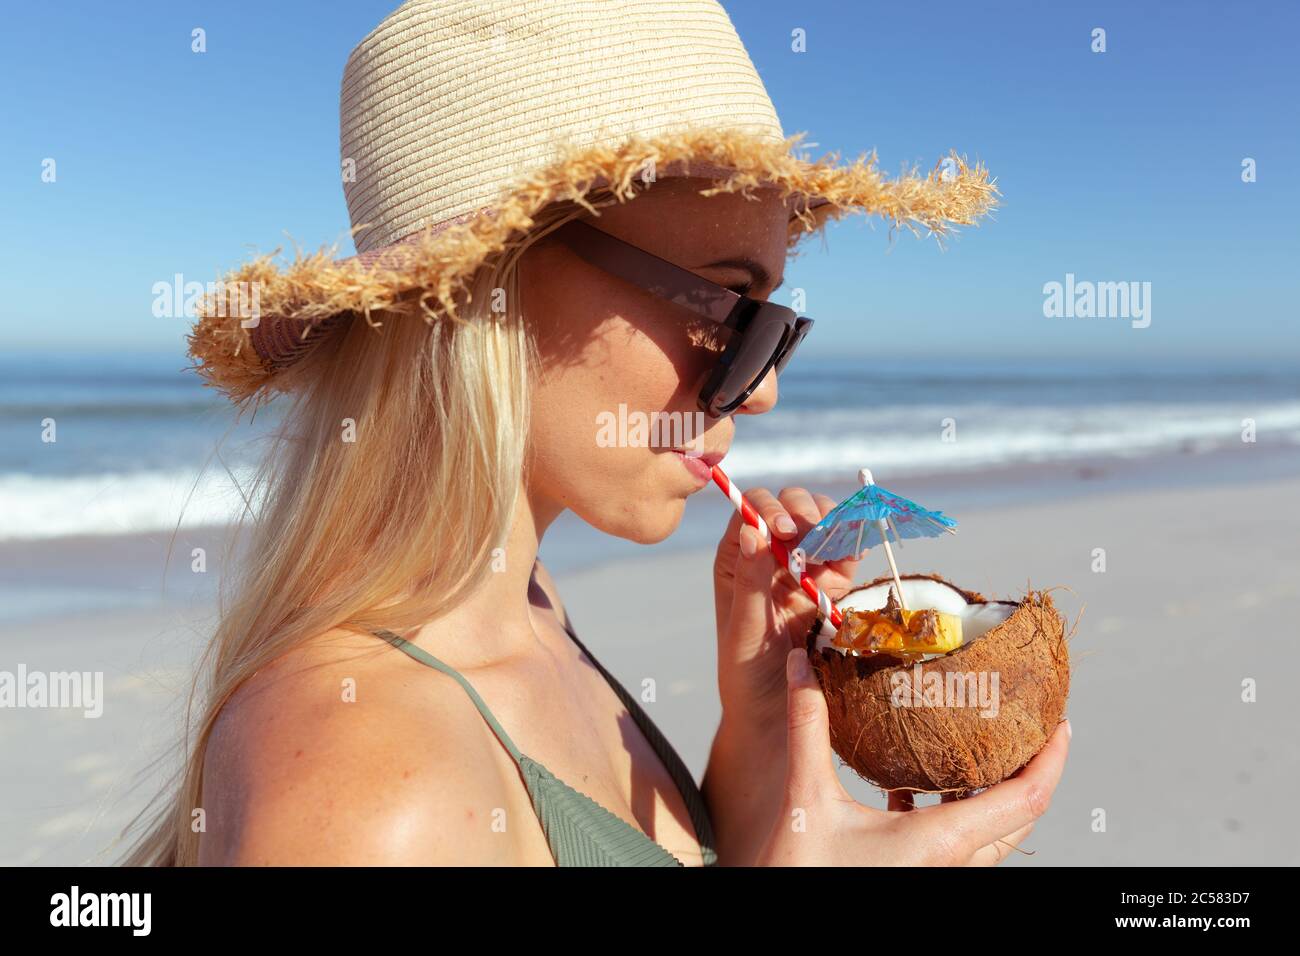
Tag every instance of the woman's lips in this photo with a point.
(700, 466)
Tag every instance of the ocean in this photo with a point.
(114, 444)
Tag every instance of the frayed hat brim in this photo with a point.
(300, 302)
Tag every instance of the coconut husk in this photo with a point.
(950, 748)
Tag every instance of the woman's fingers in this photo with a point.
(810, 765)
(1006, 807)
(825, 504)
(993, 853)
(732, 529)
(791, 516)
(772, 512)
(807, 510)
(752, 616)
(997, 851)
(724, 571)
(761, 596)
(800, 505)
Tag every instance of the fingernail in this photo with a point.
(784, 524)
(747, 543)
(796, 665)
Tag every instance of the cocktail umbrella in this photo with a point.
(865, 519)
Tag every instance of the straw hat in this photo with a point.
(461, 119)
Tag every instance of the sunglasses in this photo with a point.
(763, 334)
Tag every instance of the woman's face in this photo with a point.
(605, 343)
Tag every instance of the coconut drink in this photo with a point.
(939, 688)
(929, 687)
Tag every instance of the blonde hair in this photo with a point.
(391, 530)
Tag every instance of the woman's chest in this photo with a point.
(564, 714)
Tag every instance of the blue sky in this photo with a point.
(1118, 166)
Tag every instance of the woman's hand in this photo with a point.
(819, 824)
(761, 611)
(761, 614)
(771, 785)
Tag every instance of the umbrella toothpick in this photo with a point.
(851, 524)
(893, 527)
(889, 553)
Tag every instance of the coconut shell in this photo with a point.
(950, 748)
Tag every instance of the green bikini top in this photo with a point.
(580, 831)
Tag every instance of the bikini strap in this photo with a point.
(677, 769)
(622, 693)
(424, 657)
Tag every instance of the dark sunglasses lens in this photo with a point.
(791, 344)
(754, 357)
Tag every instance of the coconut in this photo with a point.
(947, 722)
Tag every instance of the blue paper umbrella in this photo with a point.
(866, 519)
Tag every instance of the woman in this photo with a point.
(422, 462)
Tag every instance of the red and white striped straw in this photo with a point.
(831, 617)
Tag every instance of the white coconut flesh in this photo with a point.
(919, 594)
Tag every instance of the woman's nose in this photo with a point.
(763, 399)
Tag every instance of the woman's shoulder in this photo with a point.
(338, 753)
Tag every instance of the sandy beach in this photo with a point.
(1197, 597)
